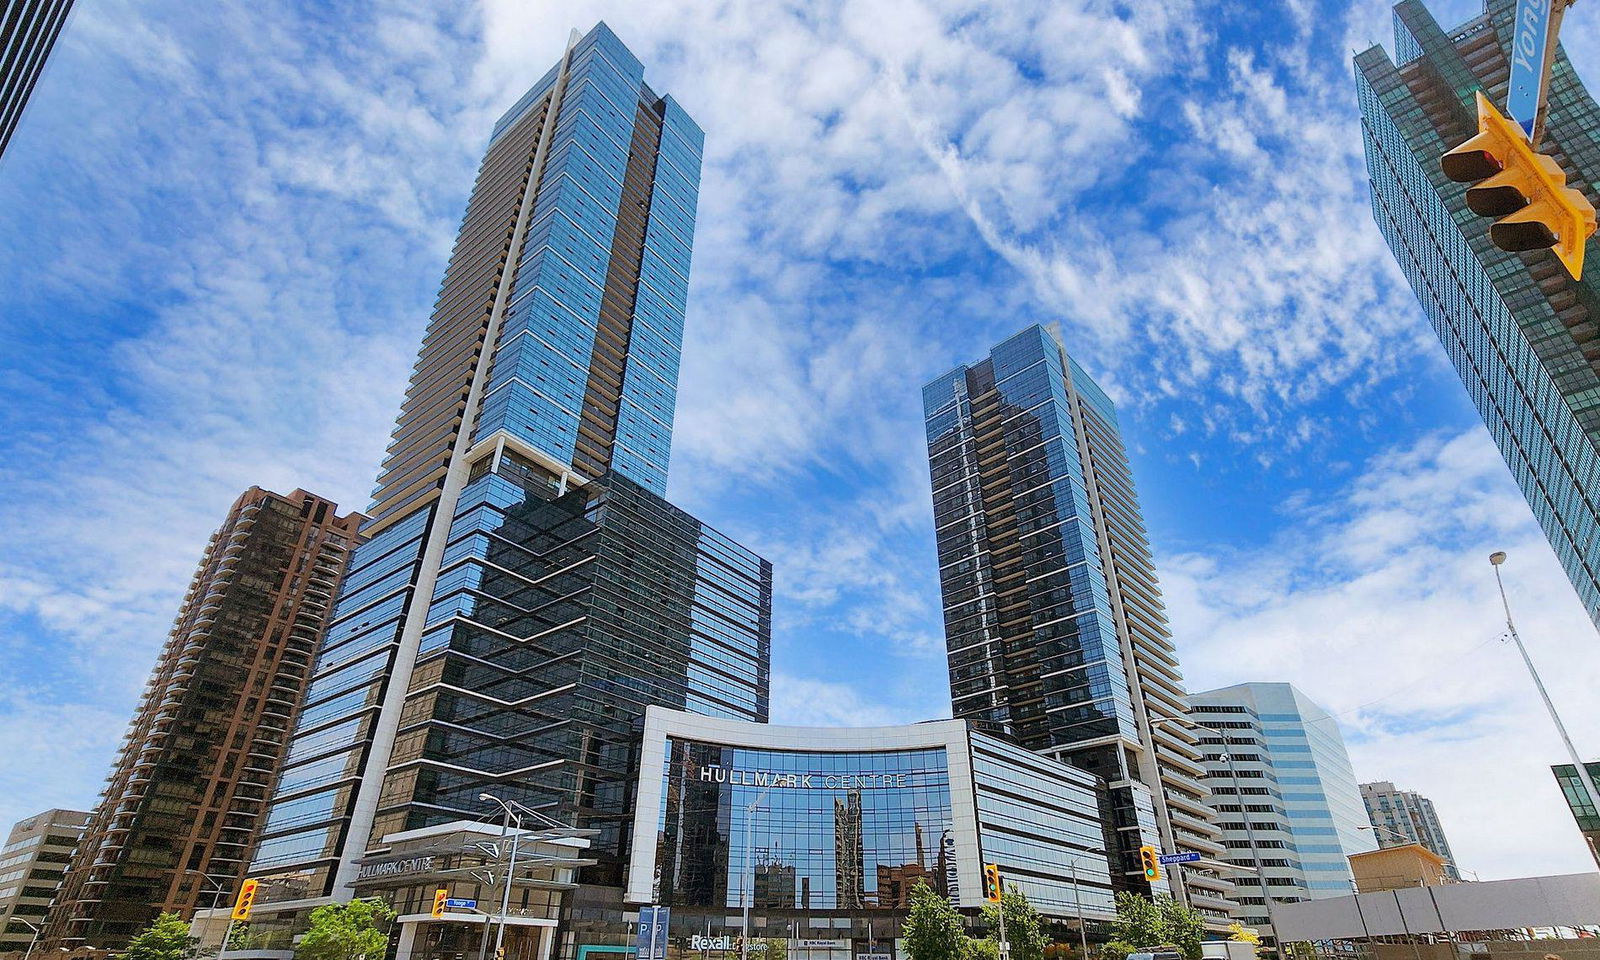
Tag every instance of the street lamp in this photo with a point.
(1244, 812)
(35, 939)
(750, 871)
(1077, 903)
(511, 869)
(1495, 560)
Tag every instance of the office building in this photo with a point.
(1282, 782)
(1523, 336)
(824, 831)
(185, 800)
(525, 592)
(32, 864)
(1054, 623)
(1399, 817)
(28, 29)
(1580, 803)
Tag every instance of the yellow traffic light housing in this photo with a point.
(991, 883)
(1150, 860)
(246, 900)
(439, 897)
(1526, 190)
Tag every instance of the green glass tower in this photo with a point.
(1523, 336)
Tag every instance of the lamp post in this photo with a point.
(1393, 833)
(32, 942)
(1249, 831)
(1495, 560)
(217, 890)
(750, 871)
(511, 870)
(1077, 903)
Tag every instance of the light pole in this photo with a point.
(1495, 560)
(1244, 812)
(1077, 903)
(750, 871)
(217, 891)
(511, 870)
(32, 942)
(1393, 833)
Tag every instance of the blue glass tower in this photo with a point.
(1277, 759)
(524, 592)
(1054, 623)
(1523, 336)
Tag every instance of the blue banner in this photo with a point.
(1528, 43)
(652, 942)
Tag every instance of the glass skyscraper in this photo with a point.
(1523, 336)
(28, 30)
(1576, 793)
(1276, 759)
(523, 591)
(1055, 628)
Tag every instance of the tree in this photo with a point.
(1185, 930)
(1024, 929)
(358, 930)
(167, 938)
(1243, 934)
(932, 930)
(1138, 922)
(1150, 923)
(980, 948)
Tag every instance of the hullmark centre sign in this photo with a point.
(803, 781)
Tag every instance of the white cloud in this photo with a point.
(803, 702)
(1380, 605)
(274, 200)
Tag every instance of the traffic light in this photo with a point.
(1149, 859)
(1526, 191)
(438, 902)
(991, 883)
(246, 900)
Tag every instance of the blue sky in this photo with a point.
(222, 227)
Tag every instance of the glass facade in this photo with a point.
(1054, 625)
(1521, 334)
(1576, 793)
(1290, 777)
(524, 592)
(28, 31)
(839, 831)
(585, 368)
(557, 618)
(825, 832)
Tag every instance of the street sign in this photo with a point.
(458, 904)
(1167, 858)
(1528, 47)
(652, 944)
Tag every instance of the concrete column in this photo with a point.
(408, 939)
